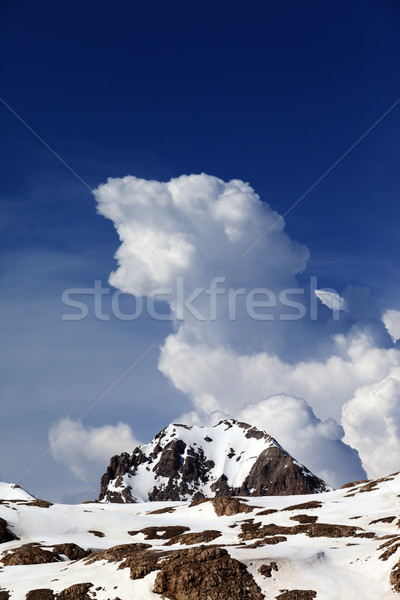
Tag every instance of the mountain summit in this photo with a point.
(229, 459)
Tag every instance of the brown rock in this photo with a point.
(336, 531)
(395, 577)
(139, 558)
(304, 518)
(383, 520)
(266, 570)
(161, 533)
(369, 486)
(29, 554)
(96, 533)
(297, 595)
(5, 534)
(268, 511)
(225, 505)
(40, 594)
(79, 591)
(277, 539)
(304, 505)
(391, 547)
(39, 503)
(275, 473)
(228, 506)
(71, 551)
(4, 594)
(201, 537)
(251, 530)
(119, 465)
(205, 573)
(161, 511)
(353, 483)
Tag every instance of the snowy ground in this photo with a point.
(335, 568)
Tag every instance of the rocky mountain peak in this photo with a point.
(185, 462)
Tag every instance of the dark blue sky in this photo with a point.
(269, 92)
(273, 94)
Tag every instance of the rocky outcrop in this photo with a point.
(199, 537)
(78, 591)
(205, 572)
(188, 574)
(161, 533)
(29, 554)
(276, 474)
(35, 554)
(71, 551)
(297, 595)
(40, 594)
(5, 534)
(229, 459)
(225, 506)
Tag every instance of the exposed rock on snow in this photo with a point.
(223, 547)
(205, 572)
(5, 534)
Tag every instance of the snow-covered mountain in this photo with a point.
(335, 545)
(229, 459)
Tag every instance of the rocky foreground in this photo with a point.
(331, 546)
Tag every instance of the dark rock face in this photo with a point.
(40, 594)
(119, 465)
(5, 534)
(199, 573)
(184, 469)
(297, 595)
(266, 570)
(205, 572)
(161, 533)
(79, 591)
(200, 537)
(34, 554)
(140, 559)
(395, 577)
(29, 554)
(225, 505)
(71, 551)
(276, 474)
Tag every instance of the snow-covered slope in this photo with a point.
(335, 546)
(183, 462)
(11, 491)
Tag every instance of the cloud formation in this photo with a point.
(87, 451)
(332, 300)
(197, 226)
(391, 319)
(191, 237)
(218, 378)
(292, 422)
(372, 423)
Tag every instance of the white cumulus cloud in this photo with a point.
(292, 422)
(331, 299)
(219, 378)
(371, 420)
(87, 450)
(391, 319)
(199, 237)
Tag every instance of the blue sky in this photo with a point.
(270, 93)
